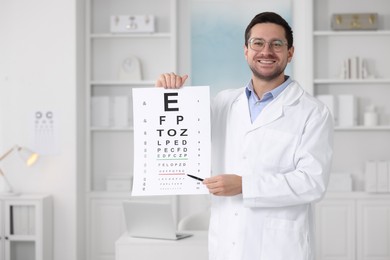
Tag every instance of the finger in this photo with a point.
(167, 80)
(213, 185)
(178, 81)
(161, 82)
(172, 80)
(213, 179)
(183, 80)
(216, 191)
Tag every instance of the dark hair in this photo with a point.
(270, 17)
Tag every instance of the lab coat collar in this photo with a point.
(273, 110)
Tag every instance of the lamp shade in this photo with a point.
(28, 156)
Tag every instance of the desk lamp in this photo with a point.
(27, 156)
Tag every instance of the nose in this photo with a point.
(267, 48)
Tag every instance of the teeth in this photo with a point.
(266, 61)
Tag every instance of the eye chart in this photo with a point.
(44, 125)
(171, 140)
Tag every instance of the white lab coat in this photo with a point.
(284, 159)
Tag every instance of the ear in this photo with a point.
(246, 52)
(290, 54)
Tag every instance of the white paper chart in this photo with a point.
(44, 125)
(171, 140)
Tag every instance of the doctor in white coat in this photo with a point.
(271, 154)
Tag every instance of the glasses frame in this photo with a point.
(270, 46)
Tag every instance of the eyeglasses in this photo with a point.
(258, 44)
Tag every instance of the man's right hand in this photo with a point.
(171, 80)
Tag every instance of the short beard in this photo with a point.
(270, 77)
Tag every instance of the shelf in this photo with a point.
(352, 33)
(109, 194)
(362, 128)
(22, 238)
(122, 83)
(134, 35)
(122, 195)
(356, 195)
(112, 129)
(351, 81)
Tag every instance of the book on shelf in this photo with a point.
(22, 220)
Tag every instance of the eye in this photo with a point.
(258, 43)
(277, 44)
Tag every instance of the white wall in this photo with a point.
(38, 71)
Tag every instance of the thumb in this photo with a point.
(183, 80)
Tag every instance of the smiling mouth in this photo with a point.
(266, 61)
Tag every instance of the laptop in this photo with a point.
(150, 220)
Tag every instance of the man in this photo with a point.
(271, 154)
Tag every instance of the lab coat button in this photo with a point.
(236, 214)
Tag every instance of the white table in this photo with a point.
(190, 248)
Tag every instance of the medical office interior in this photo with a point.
(67, 68)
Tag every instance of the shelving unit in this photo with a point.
(110, 146)
(354, 145)
(350, 225)
(26, 227)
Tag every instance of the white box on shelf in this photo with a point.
(100, 111)
(371, 176)
(331, 103)
(347, 110)
(132, 24)
(382, 177)
(118, 183)
(120, 111)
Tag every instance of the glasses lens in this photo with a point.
(277, 45)
(257, 44)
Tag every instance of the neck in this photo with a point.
(261, 86)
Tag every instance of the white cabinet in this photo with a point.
(336, 229)
(353, 226)
(373, 228)
(26, 227)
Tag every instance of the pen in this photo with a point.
(195, 177)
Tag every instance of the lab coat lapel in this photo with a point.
(274, 110)
(267, 116)
(242, 105)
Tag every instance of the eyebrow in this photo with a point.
(272, 39)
